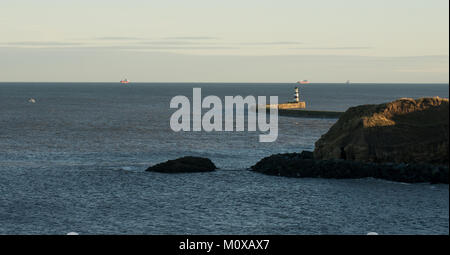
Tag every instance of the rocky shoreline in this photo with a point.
(406, 140)
(303, 165)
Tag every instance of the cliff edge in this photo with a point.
(403, 131)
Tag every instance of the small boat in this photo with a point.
(303, 82)
(32, 100)
(347, 82)
(124, 81)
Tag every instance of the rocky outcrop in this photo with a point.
(403, 131)
(304, 165)
(184, 165)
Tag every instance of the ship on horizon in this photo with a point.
(124, 81)
(303, 82)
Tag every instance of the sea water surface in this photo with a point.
(74, 161)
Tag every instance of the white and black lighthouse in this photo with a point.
(296, 104)
(297, 95)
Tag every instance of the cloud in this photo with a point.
(207, 42)
(162, 47)
(143, 45)
(40, 43)
(191, 38)
(176, 43)
(131, 47)
(271, 43)
(334, 48)
(117, 38)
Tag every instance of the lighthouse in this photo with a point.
(296, 95)
(296, 104)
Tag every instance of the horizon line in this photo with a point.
(224, 82)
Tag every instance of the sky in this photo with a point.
(224, 41)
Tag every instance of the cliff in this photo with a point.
(403, 131)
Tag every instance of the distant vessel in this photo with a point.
(303, 82)
(347, 82)
(124, 81)
(32, 100)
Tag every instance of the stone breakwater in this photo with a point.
(299, 113)
(289, 105)
(302, 165)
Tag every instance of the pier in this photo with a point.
(309, 113)
(296, 104)
(297, 109)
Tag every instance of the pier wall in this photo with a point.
(292, 105)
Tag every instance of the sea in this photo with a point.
(75, 160)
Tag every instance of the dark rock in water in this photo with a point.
(184, 165)
(302, 165)
(403, 131)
